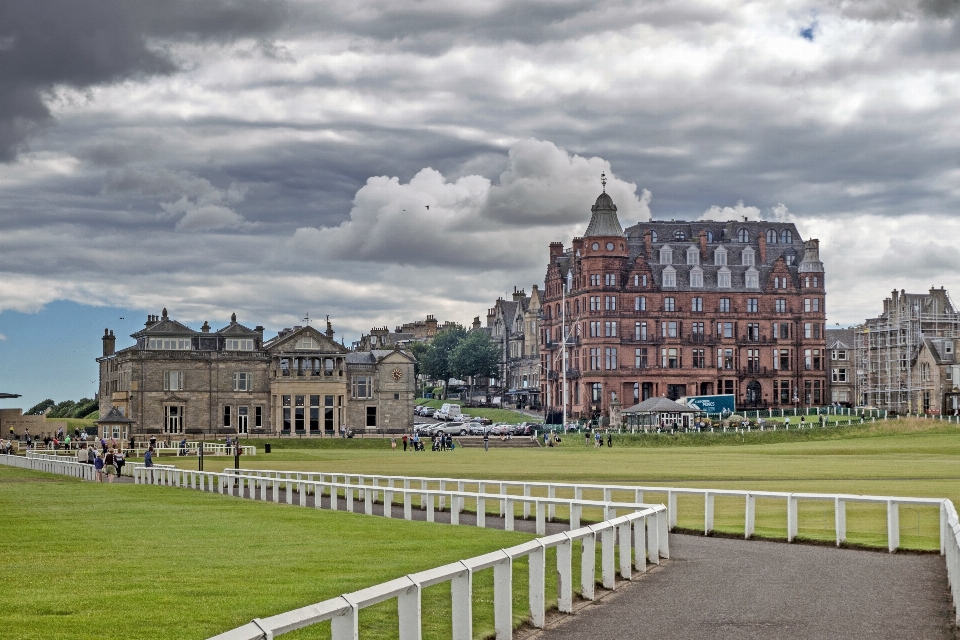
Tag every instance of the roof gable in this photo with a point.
(288, 342)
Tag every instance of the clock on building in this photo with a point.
(397, 374)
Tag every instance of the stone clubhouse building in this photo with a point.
(177, 381)
(674, 308)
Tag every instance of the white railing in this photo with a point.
(60, 465)
(216, 449)
(635, 494)
(952, 552)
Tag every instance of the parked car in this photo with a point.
(481, 420)
(476, 429)
(427, 412)
(448, 412)
(454, 429)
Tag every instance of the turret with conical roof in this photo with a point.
(604, 221)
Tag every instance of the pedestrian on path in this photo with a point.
(119, 460)
(393, 444)
(148, 458)
(404, 442)
(486, 440)
(82, 454)
(109, 466)
(98, 466)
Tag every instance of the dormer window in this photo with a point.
(169, 344)
(666, 255)
(752, 279)
(743, 236)
(696, 277)
(679, 235)
(653, 236)
(786, 236)
(669, 277)
(693, 256)
(723, 278)
(771, 236)
(709, 236)
(239, 344)
(307, 342)
(746, 258)
(720, 257)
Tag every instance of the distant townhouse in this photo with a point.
(514, 324)
(672, 308)
(175, 380)
(841, 366)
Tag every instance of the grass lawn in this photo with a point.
(905, 458)
(84, 560)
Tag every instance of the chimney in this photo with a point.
(476, 322)
(517, 295)
(329, 332)
(556, 250)
(702, 240)
(206, 327)
(259, 331)
(109, 343)
(648, 244)
(491, 314)
(762, 241)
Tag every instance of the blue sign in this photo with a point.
(711, 404)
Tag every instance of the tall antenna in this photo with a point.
(603, 181)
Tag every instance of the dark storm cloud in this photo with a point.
(44, 43)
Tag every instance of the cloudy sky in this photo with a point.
(275, 158)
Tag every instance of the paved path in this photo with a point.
(720, 588)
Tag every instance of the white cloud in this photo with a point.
(2, 337)
(205, 217)
(736, 212)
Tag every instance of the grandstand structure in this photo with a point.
(905, 358)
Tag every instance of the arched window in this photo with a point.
(771, 236)
(653, 236)
(743, 236)
(577, 305)
(786, 236)
(709, 236)
(679, 235)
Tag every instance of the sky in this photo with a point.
(379, 161)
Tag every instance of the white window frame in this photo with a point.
(666, 254)
(242, 381)
(173, 380)
(669, 277)
(693, 256)
(696, 277)
(720, 257)
(724, 278)
(239, 344)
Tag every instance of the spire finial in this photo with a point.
(603, 181)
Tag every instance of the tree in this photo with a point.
(40, 407)
(436, 359)
(418, 350)
(477, 356)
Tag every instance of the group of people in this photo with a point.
(597, 439)
(59, 440)
(110, 462)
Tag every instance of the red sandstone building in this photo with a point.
(681, 309)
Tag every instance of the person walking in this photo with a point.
(404, 439)
(393, 444)
(586, 438)
(82, 454)
(486, 440)
(609, 439)
(119, 460)
(98, 466)
(109, 466)
(148, 458)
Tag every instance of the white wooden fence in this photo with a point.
(61, 465)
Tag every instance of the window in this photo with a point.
(362, 386)
(751, 279)
(771, 236)
(239, 344)
(258, 417)
(743, 236)
(594, 303)
(636, 392)
(610, 358)
(753, 332)
(807, 330)
(596, 390)
(595, 359)
(371, 417)
(610, 329)
(781, 359)
(307, 343)
(610, 303)
(610, 279)
(839, 354)
(636, 280)
(173, 380)
(669, 329)
(753, 305)
(595, 329)
(640, 304)
(314, 414)
(813, 391)
(699, 359)
(753, 360)
(666, 255)
(781, 331)
(328, 422)
(669, 277)
(286, 413)
(640, 329)
(243, 420)
(669, 358)
(724, 358)
(781, 391)
(227, 421)
(696, 304)
(669, 304)
(840, 375)
(640, 358)
(780, 305)
(786, 236)
(242, 381)
(169, 344)
(723, 278)
(725, 329)
(173, 419)
(594, 279)
(696, 277)
(693, 256)
(720, 257)
(811, 305)
(698, 333)
(709, 236)
(643, 281)
(724, 305)
(299, 421)
(679, 235)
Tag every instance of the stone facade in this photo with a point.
(514, 325)
(684, 308)
(417, 331)
(841, 367)
(175, 380)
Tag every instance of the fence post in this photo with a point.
(893, 526)
(346, 626)
(607, 567)
(707, 513)
(461, 596)
(640, 544)
(541, 521)
(388, 501)
(289, 490)
(565, 576)
(349, 492)
(503, 598)
(526, 505)
(840, 519)
(409, 612)
(538, 570)
(792, 527)
(508, 514)
(662, 537)
(575, 510)
(368, 501)
(672, 509)
(751, 518)
(454, 509)
(623, 535)
(481, 511)
(588, 566)
(552, 509)
(430, 516)
(302, 490)
(407, 504)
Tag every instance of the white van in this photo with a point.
(448, 412)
